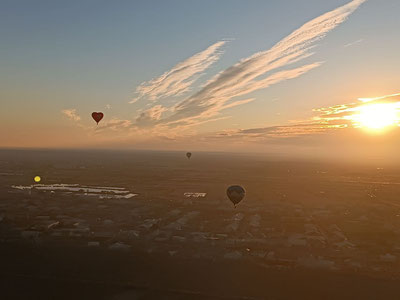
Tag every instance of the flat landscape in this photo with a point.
(147, 224)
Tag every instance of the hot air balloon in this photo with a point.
(188, 154)
(235, 193)
(97, 116)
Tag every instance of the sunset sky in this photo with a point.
(256, 76)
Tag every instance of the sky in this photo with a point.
(254, 76)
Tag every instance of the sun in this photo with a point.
(376, 116)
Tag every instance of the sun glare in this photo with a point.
(376, 116)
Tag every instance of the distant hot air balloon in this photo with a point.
(97, 116)
(235, 193)
(188, 154)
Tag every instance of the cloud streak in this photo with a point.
(71, 114)
(258, 71)
(354, 43)
(181, 77)
(150, 115)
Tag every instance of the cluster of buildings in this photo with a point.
(275, 234)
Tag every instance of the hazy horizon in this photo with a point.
(348, 160)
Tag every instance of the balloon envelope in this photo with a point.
(97, 116)
(189, 154)
(235, 193)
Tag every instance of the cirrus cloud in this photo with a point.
(181, 77)
(256, 72)
(71, 114)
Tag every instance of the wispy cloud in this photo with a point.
(326, 119)
(259, 70)
(340, 117)
(273, 132)
(353, 43)
(180, 78)
(149, 116)
(71, 114)
(115, 124)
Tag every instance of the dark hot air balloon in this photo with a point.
(189, 154)
(235, 193)
(97, 116)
